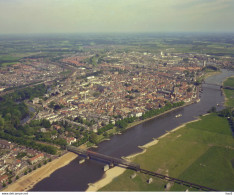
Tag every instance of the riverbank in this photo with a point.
(187, 153)
(114, 172)
(208, 74)
(135, 123)
(159, 115)
(228, 93)
(27, 182)
(212, 73)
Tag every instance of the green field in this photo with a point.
(229, 82)
(198, 153)
(229, 93)
(6, 60)
(8, 64)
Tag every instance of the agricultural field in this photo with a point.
(6, 60)
(228, 92)
(201, 152)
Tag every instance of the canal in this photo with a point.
(76, 177)
(27, 118)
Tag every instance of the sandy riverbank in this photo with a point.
(117, 171)
(27, 182)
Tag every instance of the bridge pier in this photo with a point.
(111, 164)
(81, 161)
(106, 167)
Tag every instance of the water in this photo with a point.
(75, 177)
(25, 120)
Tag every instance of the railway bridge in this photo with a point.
(112, 161)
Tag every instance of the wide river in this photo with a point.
(76, 177)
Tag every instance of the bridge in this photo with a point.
(104, 158)
(213, 84)
(217, 85)
(112, 161)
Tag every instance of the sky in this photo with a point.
(97, 16)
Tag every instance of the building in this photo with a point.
(139, 114)
(36, 158)
(5, 144)
(4, 179)
(36, 100)
(70, 140)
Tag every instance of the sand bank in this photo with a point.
(117, 171)
(27, 182)
(107, 178)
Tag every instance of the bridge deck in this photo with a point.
(219, 85)
(109, 159)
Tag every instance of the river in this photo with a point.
(75, 177)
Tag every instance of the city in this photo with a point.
(124, 96)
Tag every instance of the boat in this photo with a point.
(178, 115)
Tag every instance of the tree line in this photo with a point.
(155, 112)
(13, 110)
(229, 114)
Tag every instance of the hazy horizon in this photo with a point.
(110, 16)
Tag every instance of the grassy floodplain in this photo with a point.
(229, 93)
(202, 152)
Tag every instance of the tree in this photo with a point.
(225, 112)
(45, 123)
(93, 138)
(61, 142)
(213, 109)
(105, 134)
(51, 105)
(8, 116)
(121, 124)
(2, 122)
(189, 89)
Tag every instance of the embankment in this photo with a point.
(27, 182)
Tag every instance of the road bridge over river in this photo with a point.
(217, 85)
(112, 161)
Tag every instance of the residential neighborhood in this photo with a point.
(16, 161)
(98, 93)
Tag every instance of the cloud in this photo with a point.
(114, 15)
(208, 4)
